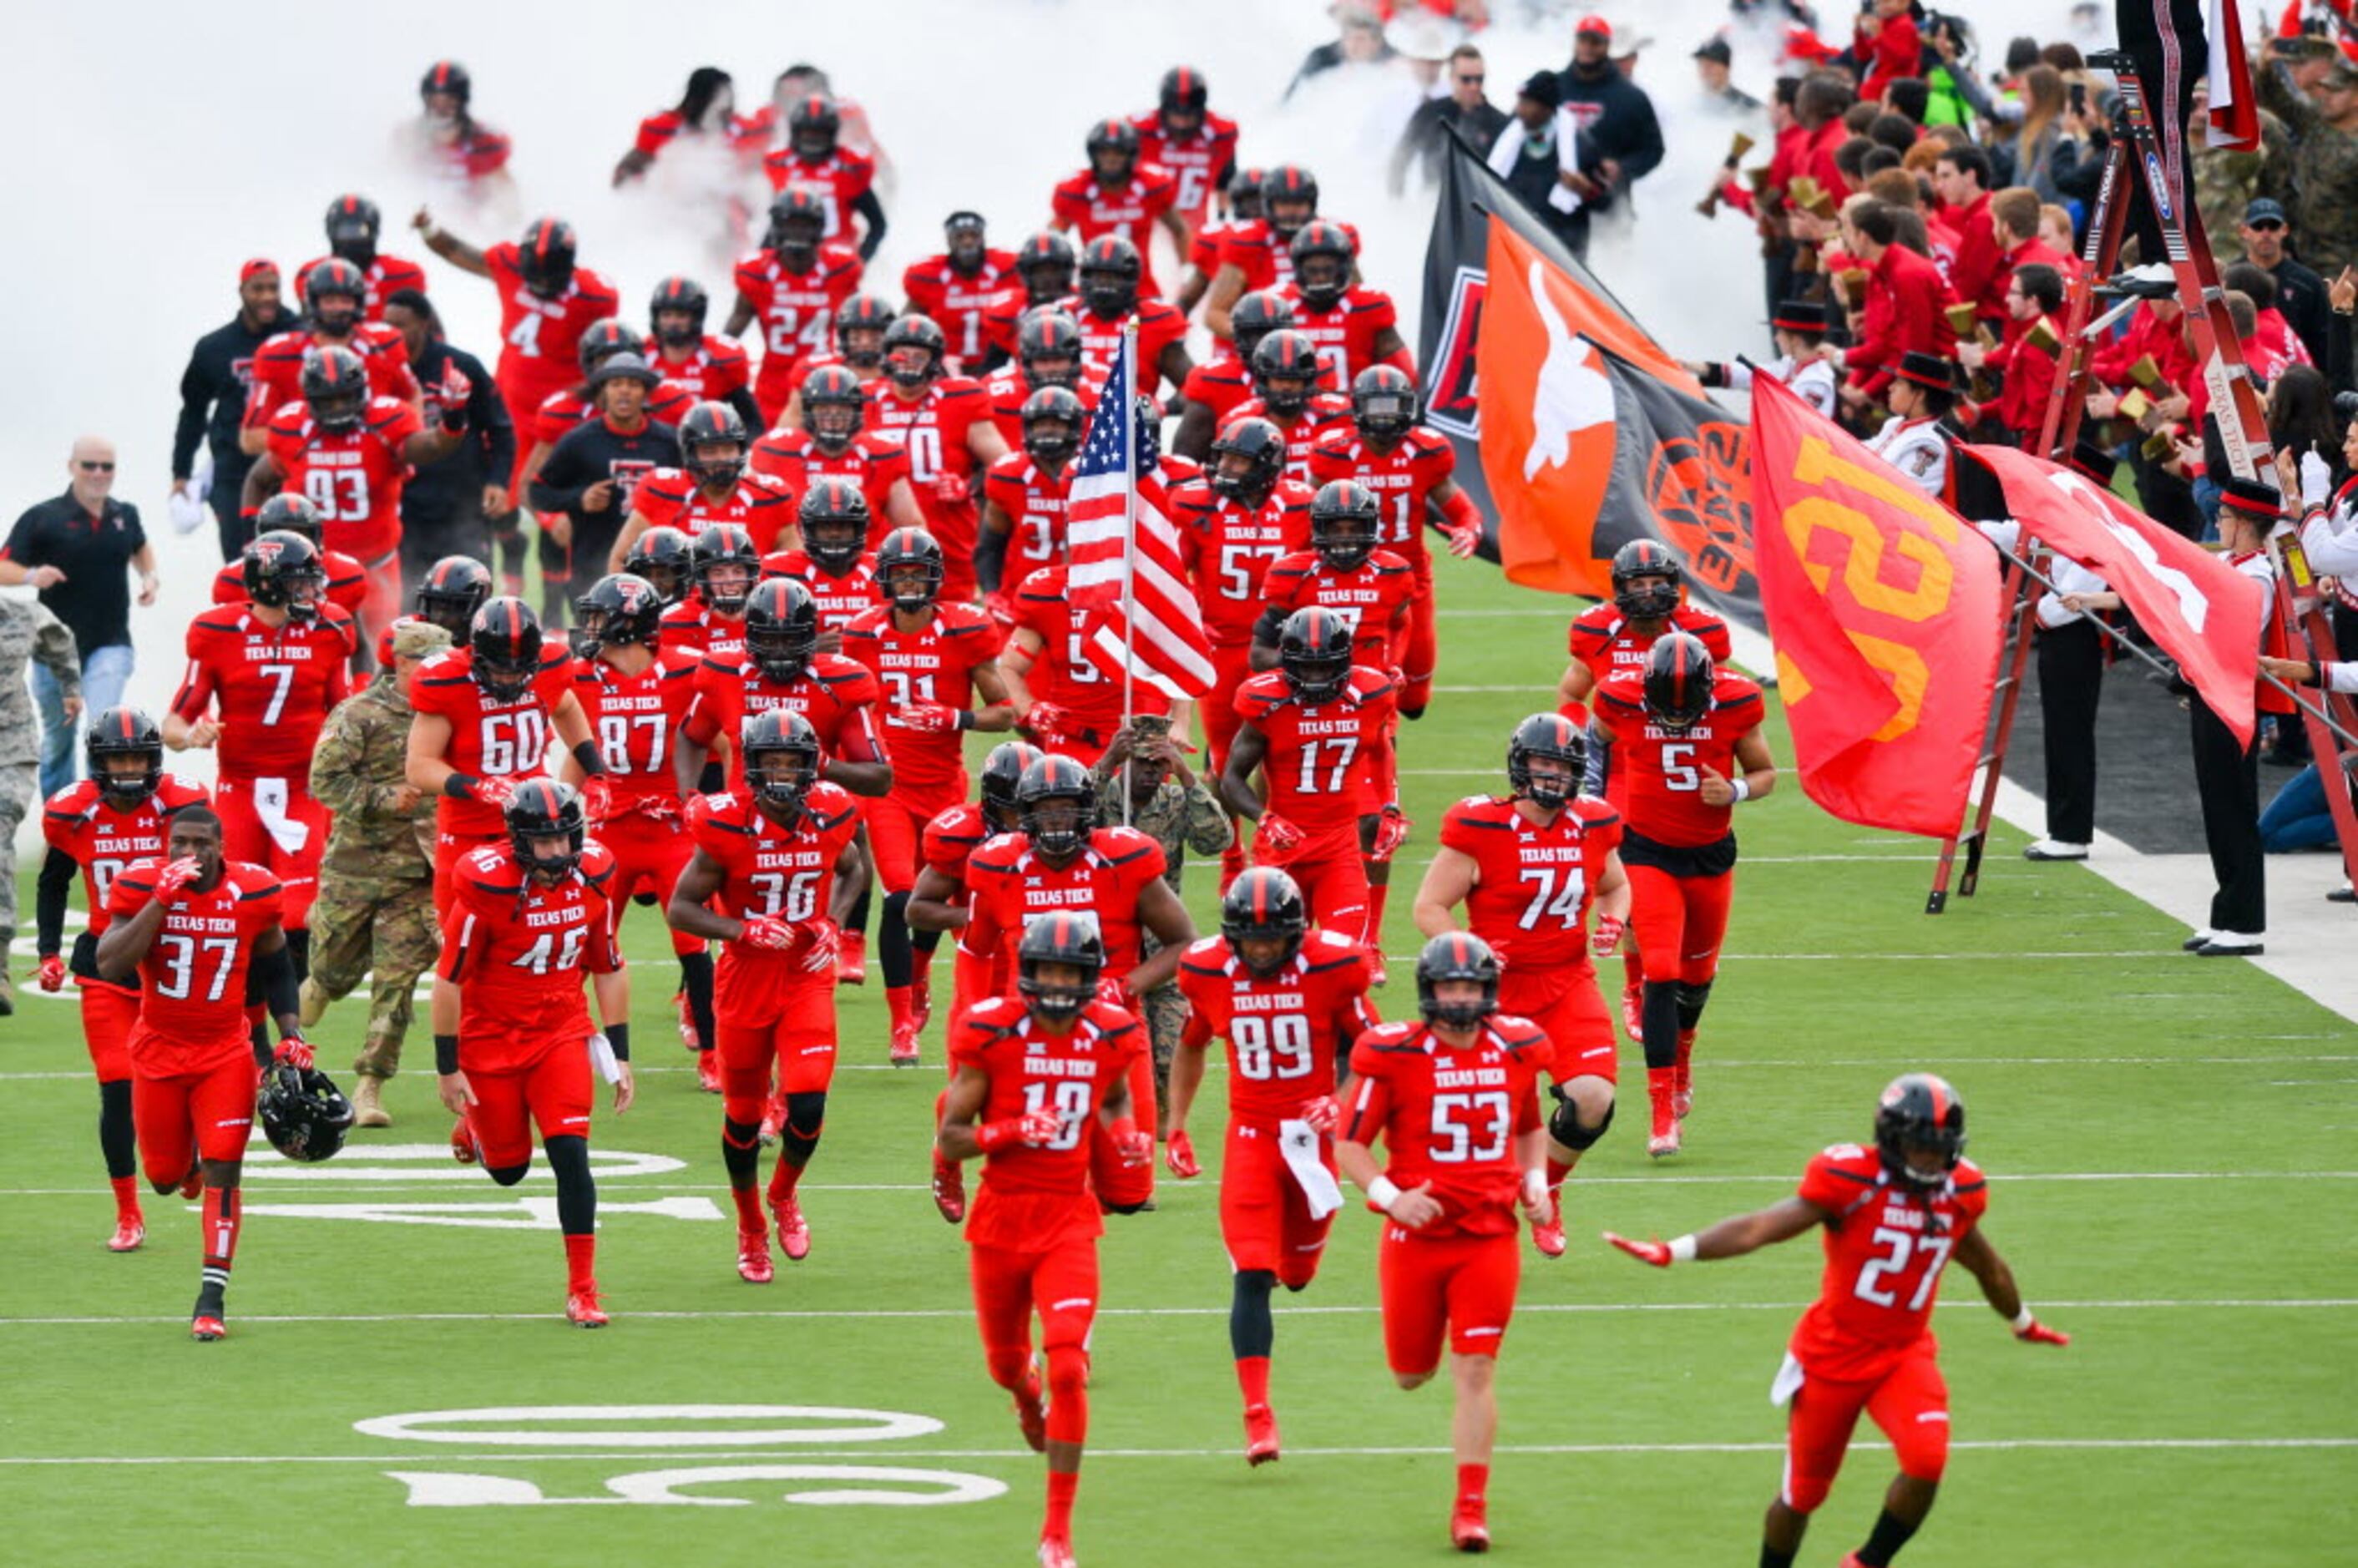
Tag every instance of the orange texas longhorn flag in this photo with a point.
(1884, 606)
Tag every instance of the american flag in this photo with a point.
(1162, 641)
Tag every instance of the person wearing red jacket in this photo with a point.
(1961, 178)
(1905, 298)
(2027, 367)
(2014, 223)
(1888, 41)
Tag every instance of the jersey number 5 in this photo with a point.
(1678, 766)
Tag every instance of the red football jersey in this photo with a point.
(1326, 414)
(1063, 674)
(708, 373)
(788, 872)
(836, 696)
(1089, 209)
(1199, 163)
(347, 583)
(1006, 389)
(1449, 1118)
(352, 476)
(841, 599)
(795, 309)
(695, 628)
(1034, 1198)
(276, 369)
(1282, 1032)
(1035, 502)
(957, 300)
(1160, 325)
(1403, 479)
(1656, 780)
(1220, 383)
(1264, 257)
(1601, 638)
(632, 718)
(1532, 884)
(488, 739)
(560, 411)
(871, 461)
(950, 841)
(1346, 333)
(1372, 599)
(1317, 766)
(839, 179)
(1007, 884)
(274, 688)
(934, 665)
(671, 498)
(382, 276)
(540, 339)
(102, 838)
(933, 431)
(1228, 552)
(1885, 1245)
(518, 950)
(192, 981)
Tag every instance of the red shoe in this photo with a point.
(851, 959)
(1682, 1074)
(1682, 1098)
(1850, 1560)
(1633, 1009)
(1032, 1416)
(794, 1230)
(206, 1327)
(686, 1020)
(193, 1183)
(949, 1189)
(1549, 1237)
(753, 1257)
(1056, 1551)
(1261, 1436)
(130, 1231)
(1665, 1137)
(707, 1072)
(905, 1043)
(1468, 1530)
(921, 1004)
(773, 1117)
(463, 1148)
(582, 1311)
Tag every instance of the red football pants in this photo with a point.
(1680, 922)
(798, 1039)
(184, 1117)
(1463, 1286)
(244, 837)
(649, 855)
(1264, 1217)
(1231, 668)
(1570, 1010)
(896, 826)
(550, 1092)
(1421, 651)
(1911, 1403)
(1060, 1284)
(108, 1012)
(1332, 876)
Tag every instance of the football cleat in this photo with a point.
(753, 1264)
(1261, 1436)
(921, 1004)
(130, 1232)
(851, 959)
(1549, 1237)
(1468, 1531)
(1056, 1551)
(1665, 1138)
(582, 1311)
(949, 1189)
(707, 1072)
(1683, 1099)
(1633, 1009)
(905, 1043)
(207, 1328)
(794, 1230)
(463, 1147)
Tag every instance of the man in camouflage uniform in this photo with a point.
(1170, 806)
(28, 631)
(375, 910)
(2227, 182)
(2324, 125)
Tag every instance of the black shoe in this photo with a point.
(2231, 945)
(2343, 895)
(2196, 943)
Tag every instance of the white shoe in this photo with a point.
(2231, 945)
(2055, 849)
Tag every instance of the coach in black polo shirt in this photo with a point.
(213, 399)
(75, 550)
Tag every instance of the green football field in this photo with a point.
(2168, 1144)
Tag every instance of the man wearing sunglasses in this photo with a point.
(75, 549)
(1425, 142)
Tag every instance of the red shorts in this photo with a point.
(1678, 922)
(1463, 1284)
(551, 1092)
(649, 854)
(896, 824)
(1423, 651)
(244, 837)
(1231, 668)
(181, 1118)
(1332, 876)
(1119, 1185)
(1264, 1216)
(450, 848)
(797, 1039)
(108, 1012)
(1060, 1284)
(1910, 1403)
(1570, 1010)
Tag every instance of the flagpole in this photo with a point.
(1128, 393)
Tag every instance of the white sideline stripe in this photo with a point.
(511, 1456)
(2010, 958)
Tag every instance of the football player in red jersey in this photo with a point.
(1119, 195)
(1197, 147)
(833, 561)
(1695, 753)
(546, 302)
(483, 714)
(1649, 599)
(453, 589)
(348, 453)
(723, 563)
(1215, 388)
(833, 443)
(956, 286)
(856, 344)
(1064, 701)
(777, 865)
(783, 669)
(1043, 275)
(1259, 254)
(261, 678)
(1455, 1099)
(1023, 498)
(792, 285)
(290, 512)
(934, 661)
(336, 291)
(706, 116)
(449, 146)
(1111, 294)
(1047, 353)
(843, 181)
(663, 558)
(1370, 588)
(1282, 997)
(1354, 326)
(1045, 1076)
(1286, 374)
(713, 484)
(709, 369)
(512, 1041)
(944, 423)
(114, 818)
(1529, 867)
(634, 695)
(1310, 728)
(353, 224)
(1894, 1215)
(189, 930)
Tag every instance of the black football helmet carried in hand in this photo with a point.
(1647, 575)
(835, 408)
(909, 569)
(781, 760)
(454, 587)
(505, 642)
(289, 512)
(1345, 521)
(713, 445)
(1069, 939)
(835, 523)
(1313, 650)
(620, 610)
(124, 731)
(282, 571)
(725, 562)
(1383, 404)
(1554, 737)
(302, 1113)
(1457, 956)
(781, 629)
(1057, 803)
(1264, 903)
(664, 557)
(547, 808)
(676, 315)
(1679, 676)
(544, 257)
(335, 386)
(1001, 779)
(1247, 460)
(1920, 1111)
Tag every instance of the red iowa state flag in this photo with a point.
(1885, 608)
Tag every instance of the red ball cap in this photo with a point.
(1596, 25)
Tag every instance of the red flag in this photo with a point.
(2204, 613)
(1884, 609)
(2235, 108)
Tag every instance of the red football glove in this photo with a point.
(1135, 1145)
(1658, 1254)
(1033, 1127)
(294, 1051)
(2037, 1333)
(1113, 993)
(1608, 934)
(1179, 1153)
(766, 932)
(173, 879)
(52, 973)
(953, 488)
(493, 791)
(1324, 1114)
(930, 719)
(1043, 723)
(598, 798)
(1392, 832)
(1277, 834)
(825, 943)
